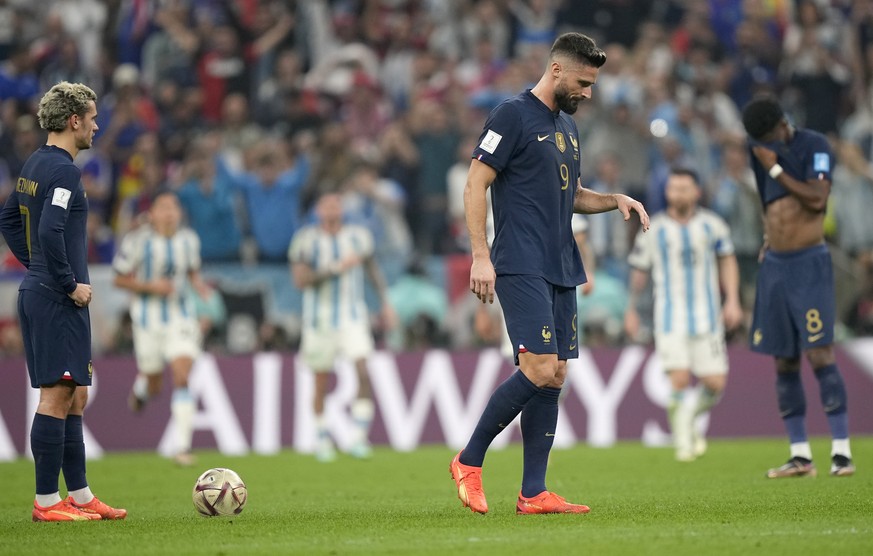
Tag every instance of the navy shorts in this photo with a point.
(795, 304)
(540, 316)
(57, 340)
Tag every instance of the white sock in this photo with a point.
(182, 409)
(362, 412)
(321, 426)
(706, 400)
(141, 387)
(801, 450)
(840, 446)
(82, 496)
(46, 500)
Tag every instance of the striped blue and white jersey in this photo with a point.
(149, 256)
(339, 301)
(683, 261)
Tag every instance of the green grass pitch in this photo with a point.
(642, 502)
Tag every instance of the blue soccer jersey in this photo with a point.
(44, 222)
(807, 156)
(535, 152)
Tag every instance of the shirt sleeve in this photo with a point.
(128, 256)
(724, 246)
(499, 137)
(298, 251)
(13, 230)
(52, 224)
(820, 159)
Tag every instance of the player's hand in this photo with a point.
(626, 204)
(732, 313)
(161, 286)
(389, 317)
(81, 296)
(765, 156)
(482, 278)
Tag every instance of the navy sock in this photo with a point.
(832, 391)
(505, 404)
(74, 454)
(538, 422)
(47, 445)
(792, 405)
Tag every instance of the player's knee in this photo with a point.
(715, 384)
(784, 365)
(820, 357)
(543, 371)
(680, 380)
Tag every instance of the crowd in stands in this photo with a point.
(251, 108)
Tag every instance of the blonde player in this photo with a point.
(688, 251)
(328, 260)
(156, 263)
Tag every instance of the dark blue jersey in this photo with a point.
(536, 155)
(807, 156)
(44, 222)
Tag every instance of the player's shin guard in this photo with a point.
(832, 391)
(792, 405)
(182, 410)
(74, 454)
(47, 446)
(505, 404)
(539, 419)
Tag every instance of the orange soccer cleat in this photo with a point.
(548, 503)
(62, 511)
(468, 479)
(98, 508)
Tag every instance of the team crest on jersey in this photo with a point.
(560, 142)
(575, 143)
(821, 162)
(90, 369)
(757, 337)
(547, 335)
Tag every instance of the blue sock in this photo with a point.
(792, 405)
(505, 404)
(538, 422)
(47, 445)
(74, 454)
(833, 399)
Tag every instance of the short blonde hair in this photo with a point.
(62, 101)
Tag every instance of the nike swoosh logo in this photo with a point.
(572, 347)
(550, 434)
(543, 138)
(815, 337)
(501, 425)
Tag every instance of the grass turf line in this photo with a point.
(642, 502)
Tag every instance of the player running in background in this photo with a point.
(795, 299)
(528, 154)
(328, 260)
(44, 223)
(160, 264)
(688, 252)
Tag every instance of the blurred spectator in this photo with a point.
(859, 316)
(18, 79)
(421, 308)
(83, 21)
(851, 199)
(379, 203)
(271, 189)
(207, 195)
(168, 53)
(222, 68)
(608, 234)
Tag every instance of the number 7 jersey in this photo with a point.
(44, 222)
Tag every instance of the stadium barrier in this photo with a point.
(261, 403)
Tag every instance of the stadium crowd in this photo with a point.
(250, 108)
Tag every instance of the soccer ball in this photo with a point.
(219, 491)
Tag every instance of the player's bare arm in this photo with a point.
(729, 276)
(812, 194)
(638, 280)
(482, 275)
(592, 202)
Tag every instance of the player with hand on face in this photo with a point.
(44, 222)
(528, 155)
(795, 298)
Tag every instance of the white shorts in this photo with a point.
(320, 348)
(155, 346)
(703, 355)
